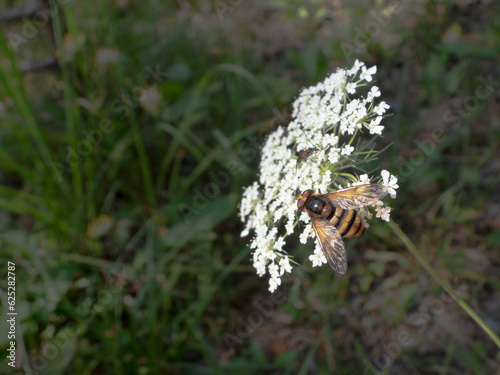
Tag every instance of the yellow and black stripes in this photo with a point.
(347, 222)
(357, 227)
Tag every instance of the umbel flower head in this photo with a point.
(327, 118)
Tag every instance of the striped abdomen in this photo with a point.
(348, 222)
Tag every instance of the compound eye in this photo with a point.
(326, 211)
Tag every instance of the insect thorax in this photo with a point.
(315, 205)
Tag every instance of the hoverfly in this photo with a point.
(334, 215)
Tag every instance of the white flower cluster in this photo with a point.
(325, 123)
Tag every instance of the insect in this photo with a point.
(334, 215)
(305, 154)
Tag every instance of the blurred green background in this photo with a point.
(128, 131)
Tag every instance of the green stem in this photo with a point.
(413, 249)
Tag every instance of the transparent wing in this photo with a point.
(357, 196)
(332, 245)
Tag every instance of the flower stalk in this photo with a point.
(444, 284)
